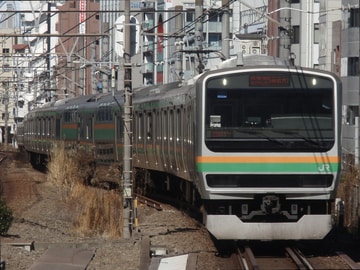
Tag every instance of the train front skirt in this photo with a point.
(230, 227)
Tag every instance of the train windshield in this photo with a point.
(269, 111)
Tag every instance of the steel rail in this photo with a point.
(352, 264)
(148, 201)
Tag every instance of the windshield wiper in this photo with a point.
(297, 136)
(263, 136)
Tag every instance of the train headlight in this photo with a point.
(294, 209)
(314, 82)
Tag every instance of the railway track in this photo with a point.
(287, 257)
(148, 201)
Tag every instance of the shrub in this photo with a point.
(6, 217)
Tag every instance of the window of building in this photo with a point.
(294, 1)
(214, 39)
(316, 33)
(296, 34)
(354, 20)
(20, 103)
(353, 66)
(215, 16)
(190, 16)
(6, 50)
(351, 113)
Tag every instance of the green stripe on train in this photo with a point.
(268, 167)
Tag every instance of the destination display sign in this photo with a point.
(269, 80)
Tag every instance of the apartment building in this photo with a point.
(25, 80)
(349, 64)
(78, 49)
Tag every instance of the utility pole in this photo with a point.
(225, 34)
(179, 20)
(198, 36)
(6, 101)
(48, 50)
(285, 31)
(127, 154)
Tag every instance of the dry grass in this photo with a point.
(349, 192)
(97, 211)
(94, 210)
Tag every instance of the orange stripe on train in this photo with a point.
(267, 159)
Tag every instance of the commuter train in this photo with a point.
(255, 143)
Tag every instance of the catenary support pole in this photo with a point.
(127, 157)
(199, 35)
(225, 34)
(179, 22)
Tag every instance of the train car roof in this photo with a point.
(252, 60)
(81, 102)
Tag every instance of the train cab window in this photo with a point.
(224, 113)
(269, 112)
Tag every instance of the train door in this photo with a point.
(86, 128)
(177, 141)
(180, 139)
(42, 133)
(140, 138)
(143, 138)
(58, 128)
(119, 134)
(147, 137)
(188, 139)
(48, 134)
(135, 137)
(171, 146)
(150, 138)
(164, 139)
(158, 136)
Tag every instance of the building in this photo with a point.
(78, 49)
(25, 60)
(350, 76)
(294, 31)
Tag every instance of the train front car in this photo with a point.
(268, 153)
